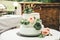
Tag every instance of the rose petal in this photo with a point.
(45, 31)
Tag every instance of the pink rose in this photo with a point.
(45, 31)
(31, 19)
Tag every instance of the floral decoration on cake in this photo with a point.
(45, 32)
(33, 21)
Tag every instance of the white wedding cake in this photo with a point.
(30, 24)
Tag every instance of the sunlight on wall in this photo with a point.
(9, 5)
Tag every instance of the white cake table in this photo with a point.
(12, 35)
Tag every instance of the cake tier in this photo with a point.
(29, 31)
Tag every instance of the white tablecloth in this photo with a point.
(8, 21)
(12, 35)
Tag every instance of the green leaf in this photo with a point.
(41, 36)
(38, 19)
(24, 21)
(37, 26)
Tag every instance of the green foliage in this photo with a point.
(28, 10)
(41, 36)
(19, 0)
(37, 26)
(15, 0)
(39, 0)
(46, 1)
(38, 20)
(25, 22)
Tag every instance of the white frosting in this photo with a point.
(25, 16)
